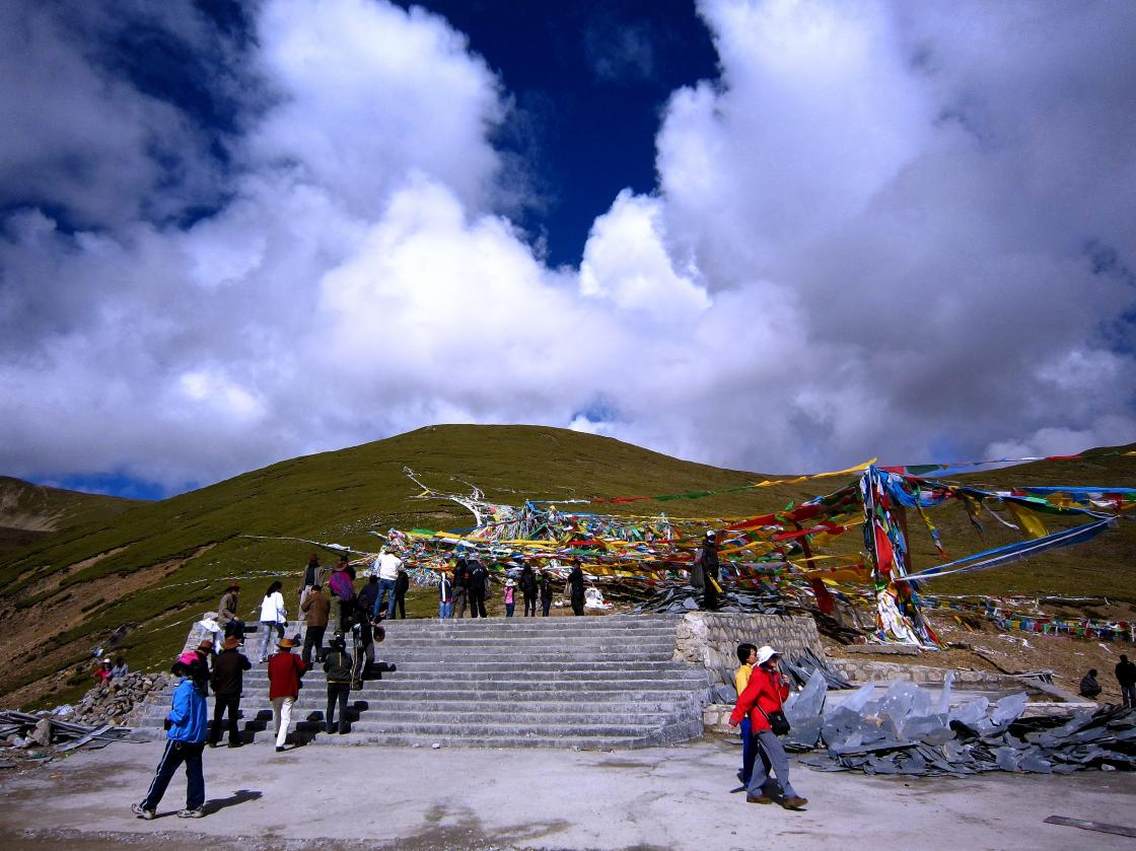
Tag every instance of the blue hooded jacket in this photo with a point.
(189, 714)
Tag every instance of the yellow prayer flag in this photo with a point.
(1028, 520)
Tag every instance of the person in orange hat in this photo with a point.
(284, 672)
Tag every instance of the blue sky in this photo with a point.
(776, 235)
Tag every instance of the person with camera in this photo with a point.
(762, 702)
(186, 726)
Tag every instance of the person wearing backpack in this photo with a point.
(477, 582)
(762, 702)
(338, 666)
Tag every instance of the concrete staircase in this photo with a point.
(593, 682)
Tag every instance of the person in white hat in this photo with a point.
(510, 597)
(762, 701)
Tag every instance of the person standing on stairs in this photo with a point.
(445, 595)
(461, 586)
(401, 586)
(284, 672)
(228, 682)
(545, 594)
(341, 590)
(386, 566)
(478, 579)
(273, 618)
(576, 587)
(510, 597)
(313, 575)
(317, 607)
(528, 589)
(338, 666)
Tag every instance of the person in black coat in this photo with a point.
(461, 587)
(545, 594)
(476, 590)
(707, 560)
(528, 589)
(228, 681)
(401, 586)
(576, 588)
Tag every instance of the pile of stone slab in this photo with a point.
(116, 701)
(912, 731)
(22, 731)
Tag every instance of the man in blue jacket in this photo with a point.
(187, 725)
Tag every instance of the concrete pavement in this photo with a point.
(419, 798)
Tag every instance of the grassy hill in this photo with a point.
(157, 566)
(30, 512)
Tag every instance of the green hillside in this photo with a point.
(157, 566)
(30, 512)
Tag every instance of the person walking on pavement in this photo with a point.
(1126, 677)
(228, 682)
(284, 672)
(445, 595)
(461, 587)
(401, 586)
(576, 587)
(528, 590)
(318, 609)
(186, 726)
(386, 566)
(545, 594)
(764, 695)
(747, 655)
(478, 578)
(338, 666)
(273, 617)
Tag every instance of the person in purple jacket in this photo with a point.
(186, 725)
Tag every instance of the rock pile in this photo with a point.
(114, 702)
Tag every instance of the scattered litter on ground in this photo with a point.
(1098, 827)
(38, 738)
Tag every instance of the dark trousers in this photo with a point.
(172, 757)
(337, 693)
(509, 609)
(235, 627)
(313, 637)
(460, 599)
(400, 606)
(545, 605)
(530, 604)
(577, 604)
(1128, 694)
(222, 704)
(749, 753)
(477, 603)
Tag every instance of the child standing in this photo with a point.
(510, 590)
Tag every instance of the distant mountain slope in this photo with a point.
(158, 565)
(29, 512)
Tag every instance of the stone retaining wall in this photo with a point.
(711, 639)
(867, 671)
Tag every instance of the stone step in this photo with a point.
(508, 674)
(615, 642)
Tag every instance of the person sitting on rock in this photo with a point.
(1090, 688)
(120, 668)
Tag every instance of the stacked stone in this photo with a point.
(115, 702)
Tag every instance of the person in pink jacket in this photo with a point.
(764, 695)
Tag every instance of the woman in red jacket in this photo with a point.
(764, 695)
